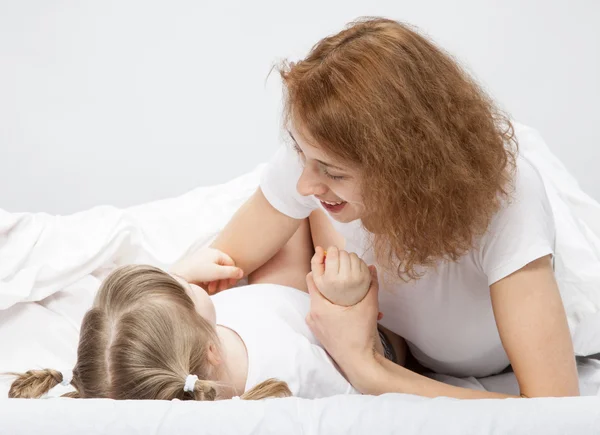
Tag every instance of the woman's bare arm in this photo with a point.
(291, 264)
(322, 231)
(255, 233)
(533, 327)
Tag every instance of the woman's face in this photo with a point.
(334, 183)
(203, 303)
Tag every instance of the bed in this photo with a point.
(51, 267)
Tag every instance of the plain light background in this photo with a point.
(121, 102)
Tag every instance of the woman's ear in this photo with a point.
(214, 357)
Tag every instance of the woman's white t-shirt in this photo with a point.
(270, 319)
(446, 316)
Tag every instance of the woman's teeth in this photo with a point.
(333, 206)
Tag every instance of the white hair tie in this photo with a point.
(67, 377)
(190, 383)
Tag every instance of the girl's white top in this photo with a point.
(270, 319)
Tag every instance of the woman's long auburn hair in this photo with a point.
(140, 340)
(436, 156)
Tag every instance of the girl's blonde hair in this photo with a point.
(140, 340)
(436, 156)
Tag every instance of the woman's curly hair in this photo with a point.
(436, 155)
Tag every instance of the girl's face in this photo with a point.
(334, 183)
(203, 303)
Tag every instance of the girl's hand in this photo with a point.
(342, 277)
(209, 268)
(347, 333)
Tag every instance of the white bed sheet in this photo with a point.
(392, 413)
(51, 267)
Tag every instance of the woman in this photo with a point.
(419, 173)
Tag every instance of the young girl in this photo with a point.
(398, 155)
(151, 335)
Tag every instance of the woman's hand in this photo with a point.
(341, 277)
(209, 268)
(347, 333)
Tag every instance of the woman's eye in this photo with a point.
(333, 177)
(297, 148)
(299, 152)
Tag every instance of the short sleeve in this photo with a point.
(522, 230)
(278, 184)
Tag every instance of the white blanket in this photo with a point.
(41, 254)
(51, 266)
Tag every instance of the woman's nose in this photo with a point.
(310, 183)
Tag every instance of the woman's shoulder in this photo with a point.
(527, 181)
(522, 230)
(526, 202)
(278, 184)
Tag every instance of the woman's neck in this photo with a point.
(235, 363)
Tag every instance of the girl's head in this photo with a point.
(389, 125)
(142, 338)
